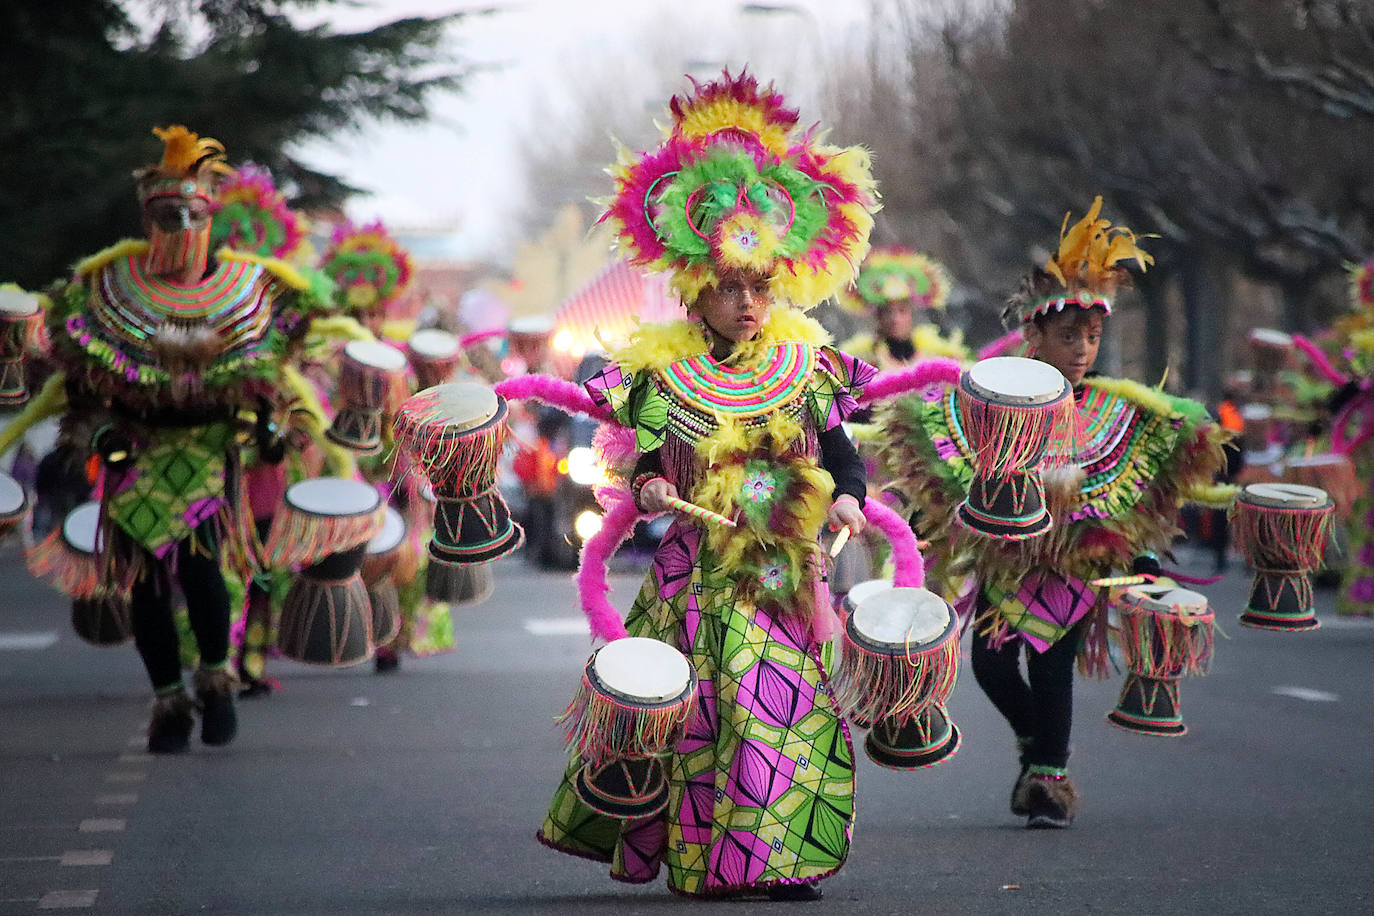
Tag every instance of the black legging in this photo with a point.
(207, 605)
(1041, 711)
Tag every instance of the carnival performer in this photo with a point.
(171, 355)
(1137, 455)
(896, 285)
(737, 409)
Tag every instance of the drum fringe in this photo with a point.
(870, 686)
(303, 538)
(1165, 646)
(72, 573)
(599, 728)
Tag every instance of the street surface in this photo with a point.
(419, 792)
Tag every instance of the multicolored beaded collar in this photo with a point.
(712, 387)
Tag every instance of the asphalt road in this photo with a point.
(419, 792)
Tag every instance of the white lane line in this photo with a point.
(79, 857)
(121, 798)
(67, 900)
(1347, 623)
(27, 642)
(137, 741)
(134, 758)
(102, 825)
(557, 626)
(1307, 693)
(126, 777)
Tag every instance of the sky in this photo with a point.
(461, 171)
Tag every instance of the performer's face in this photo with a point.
(895, 320)
(736, 307)
(1067, 340)
(179, 231)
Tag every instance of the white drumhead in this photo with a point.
(1167, 598)
(11, 495)
(81, 525)
(433, 343)
(333, 496)
(392, 534)
(1324, 460)
(1016, 380)
(376, 354)
(862, 590)
(895, 617)
(531, 324)
(17, 303)
(1271, 337)
(1288, 495)
(1254, 412)
(642, 669)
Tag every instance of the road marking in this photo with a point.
(557, 626)
(102, 825)
(1347, 623)
(126, 777)
(27, 642)
(122, 798)
(67, 900)
(134, 758)
(74, 857)
(1307, 693)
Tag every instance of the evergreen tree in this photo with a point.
(82, 85)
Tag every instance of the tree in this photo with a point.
(82, 84)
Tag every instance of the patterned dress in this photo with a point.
(761, 790)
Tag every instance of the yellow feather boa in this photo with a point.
(657, 346)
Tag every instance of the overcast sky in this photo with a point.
(462, 169)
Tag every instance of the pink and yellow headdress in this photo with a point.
(191, 166)
(251, 215)
(1087, 269)
(898, 275)
(735, 184)
(369, 268)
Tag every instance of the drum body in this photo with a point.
(14, 504)
(21, 317)
(434, 356)
(325, 525)
(636, 698)
(380, 558)
(1331, 472)
(1166, 633)
(98, 617)
(1282, 530)
(1011, 409)
(371, 374)
(900, 662)
(455, 434)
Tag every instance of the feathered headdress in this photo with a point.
(898, 275)
(734, 184)
(1085, 272)
(251, 215)
(191, 166)
(368, 267)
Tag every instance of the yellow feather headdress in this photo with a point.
(191, 166)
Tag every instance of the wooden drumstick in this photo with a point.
(1114, 581)
(840, 540)
(695, 511)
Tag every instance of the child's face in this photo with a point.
(1068, 341)
(735, 307)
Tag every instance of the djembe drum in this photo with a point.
(862, 590)
(371, 380)
(454, 435)
(633, 706)
(68, 557)
(1272, 350)
(900, 662)
(379, 559)
(14, 504)
(21, 316)
(434, 356)
(325, 525)
(1328, 471)
(1282, 528)
(1166, 632)
(1011, 409)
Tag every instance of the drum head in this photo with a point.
(902, 618)
(1285, 495)
(333, 496)
(1269, 337)
(12, 498)
(1015, 380)
(456, 406)
(1166, 599)
(81, 526)
(376, 354)
(431, 343)
(18, 304)
(640, 669)
(862, 590)
(392, 534)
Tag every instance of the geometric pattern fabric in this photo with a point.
(171, 486)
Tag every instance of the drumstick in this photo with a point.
(695, 511)
(840, 540)
(1114, 581)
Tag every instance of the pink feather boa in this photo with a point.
(1002, 345)
(552, 391)
(592, 587)
(912, 378)
(1319, 361)
(909, 566)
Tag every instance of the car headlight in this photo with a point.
(587, 523)
(583, 468)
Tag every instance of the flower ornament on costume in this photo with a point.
(735, 184)
(1085, 272)
(251, 215)
(368, 267)
(759, 486)
(898, 275)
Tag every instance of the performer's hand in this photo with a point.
(654, 496)
(845, 511)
